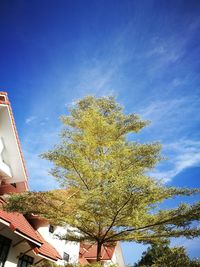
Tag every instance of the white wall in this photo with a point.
(14, 252)
(71, 248)
(118, 256)
(11, 153)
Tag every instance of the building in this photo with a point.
(109, 254)
(26, 241)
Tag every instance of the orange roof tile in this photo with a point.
(83, 260)
(89, 251)
(18, 223)
(48, 251)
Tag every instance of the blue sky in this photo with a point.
(145, 53)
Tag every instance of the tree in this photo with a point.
(107, 192)
(161, 255)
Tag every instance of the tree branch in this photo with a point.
(73, 165)
(146, 226)
(115, 217)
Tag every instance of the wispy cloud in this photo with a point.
(166, 51)
(38, 170)
(30, 119)
(182, 155)
(173, 114)
(172, 123)
(192, 245)
(156, 110)
(36, 140)
(97, 75)
(97, 80)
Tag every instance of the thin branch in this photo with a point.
(73, 165)
(115, 217)
(146, 226)
(87, 233)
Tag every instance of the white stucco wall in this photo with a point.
(11, 153)
(117, 257)
(71, 248)
(14, 252)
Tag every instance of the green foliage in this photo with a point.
(107, 193)
(47, 263)
(96, 264)
(164, 256)
(195, 263)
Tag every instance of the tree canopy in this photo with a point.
(161, 255)
(107, 193)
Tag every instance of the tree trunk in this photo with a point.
(99, 245)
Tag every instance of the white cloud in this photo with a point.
(39, 178)
(165, 52)
(171, 119)
(182, 155)
(181, 111)
(38, 139)
(171, 49)
(30, 119)
(97, 80)
(157, 109)
(192, 245)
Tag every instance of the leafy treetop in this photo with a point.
(161, 255)
(107, 193)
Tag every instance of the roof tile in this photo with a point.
(89, 251)
(17, 222)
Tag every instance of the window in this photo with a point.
(51, 228)
(66, 257)
(24, 261)
(4, 248)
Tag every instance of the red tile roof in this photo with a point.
(89, 251)
(83, 261)
(14, 220)
(47, 250)
(18, 223)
